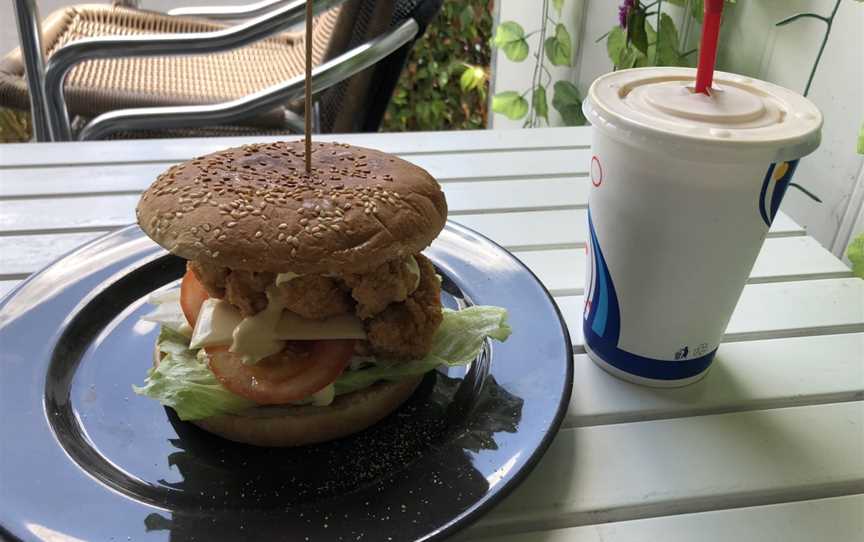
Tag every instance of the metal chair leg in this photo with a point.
(30, 38)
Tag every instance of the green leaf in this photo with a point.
(636, 30)
(466, 17)
(559, 48)
(855, 253)
(457, 342)
(697, 9)
(861, 132)
(510, 104)
(650, 33)
(566, 100)
(540, 104)
(616, 42)
(667, 43)
(630, 58)
(558, 4)
(472, 77)
(644, 61)
(651, 54)
(186, 384)
(510, 38)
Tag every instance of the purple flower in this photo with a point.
(624, 11)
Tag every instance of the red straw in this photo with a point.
(708, 47)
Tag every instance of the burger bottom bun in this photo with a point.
(301, 425)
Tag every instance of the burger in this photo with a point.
(307, 311)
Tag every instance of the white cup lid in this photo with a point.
(739, 112)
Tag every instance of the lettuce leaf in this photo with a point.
(188, 386)
(457, 342)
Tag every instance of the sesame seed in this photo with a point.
(283, 226)
(222, 237)
(258, 234)
(230, 224)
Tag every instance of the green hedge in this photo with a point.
(445, 82)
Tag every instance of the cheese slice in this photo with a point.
(294, 328)
(218, 320)
(255, 337)
(215, 324)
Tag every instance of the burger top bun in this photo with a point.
(255, 208)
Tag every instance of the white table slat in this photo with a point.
(553, 229)
(560, 269)
(562, 228)
(125, 178)
(837, 519)
(516, 195)
(175, 150)
(781, 259)
(745, 376)
(112, 210)
(663, 467)
(781, 309)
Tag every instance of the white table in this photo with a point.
(769, 447)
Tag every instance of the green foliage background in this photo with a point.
(445, 83)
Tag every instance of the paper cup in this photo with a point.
(684, 188)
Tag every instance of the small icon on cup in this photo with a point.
(682, 353)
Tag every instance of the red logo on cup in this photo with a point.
(596, 171)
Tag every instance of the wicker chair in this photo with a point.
(257, 81)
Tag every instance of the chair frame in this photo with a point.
(50, 116)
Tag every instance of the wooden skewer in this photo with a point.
(308, 88)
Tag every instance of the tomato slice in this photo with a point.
(192, 296)
(303, 368)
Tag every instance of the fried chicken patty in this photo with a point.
(400, 319)
(404, 330)
(390, 282)
(315, 297)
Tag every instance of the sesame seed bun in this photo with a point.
(254, 208)
(301, 425)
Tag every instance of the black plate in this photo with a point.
(81, 455)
